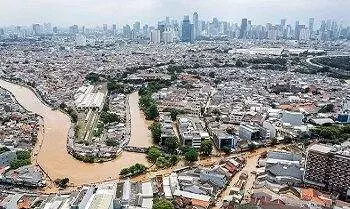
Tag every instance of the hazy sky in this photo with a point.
(97, 12)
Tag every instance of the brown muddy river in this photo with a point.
(53, 156)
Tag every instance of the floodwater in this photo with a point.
(52, 154)
(141, 137)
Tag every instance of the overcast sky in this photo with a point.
(97, 12)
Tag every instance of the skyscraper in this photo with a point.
(137, 27)
(114, 29)
(74, 29)
(196, 25)
(36, 29)
(243, 31)
(155, 36)
(311, 24)
(127, 31)
(187, 30)
(296, 30)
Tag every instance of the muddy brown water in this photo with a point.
(53, 156)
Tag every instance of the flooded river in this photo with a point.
(52, 151)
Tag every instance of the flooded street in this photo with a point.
(52, 154)
(140, 135)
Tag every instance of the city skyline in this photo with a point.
(89, 13)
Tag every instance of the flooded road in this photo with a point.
(140, 135)
(52, 154)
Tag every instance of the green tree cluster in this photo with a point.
(4, 149)
(133, 170)
(156, 131)
(114, 87)
(171, 144)
(22, 159)
(191, 155)
(99, 129)
(73, 114)
(206, 147)
(111, 143)
(334, 134)
(153, 153)
(93, 77)
(107, 117)
(162, 204)
(146, 102)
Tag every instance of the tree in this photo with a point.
(107, 117)
(239, 63)
(112, 143)
(156, 130)
(191, 155)
(171, 144)
(23, 154)
(174, 159)
(4, 149)
(63, 106)
(151, 112)
(206, 147)
(73, 114)
(124, 171)
(162, 204)
(153, 154)
(62, 183)
(92, 77)
(226, 150)
(112, 86)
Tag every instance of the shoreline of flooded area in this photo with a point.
(53, 156)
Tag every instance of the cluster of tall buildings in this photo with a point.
(329, 30)
(190, 29)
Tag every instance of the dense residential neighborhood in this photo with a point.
(171, 117)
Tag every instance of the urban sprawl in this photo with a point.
(237, 115)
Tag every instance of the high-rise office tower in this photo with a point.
(74, 29)
(196, 25)
(36, 29)
(114, 29)
(127, 31)
(296, 30)
(161, 28)
(155, 36)
(145, 32)
(55, 30)
(47, 28)
(105, 28)
(187, 30)
(243, 30)
(167, 21)
(137, 27)
(283, 23)
(311, 24)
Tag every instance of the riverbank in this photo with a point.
(53, 155)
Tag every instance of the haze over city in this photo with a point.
(174, 104)
(96, 12)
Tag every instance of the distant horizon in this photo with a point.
(94, 13)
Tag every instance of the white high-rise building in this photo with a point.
(155, 36)
(168, 36)
(304, 34)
